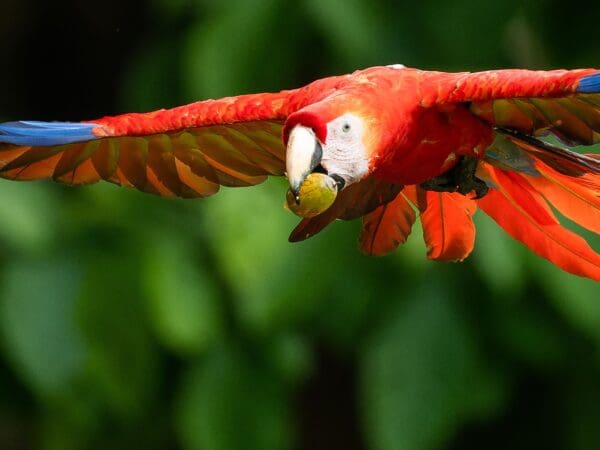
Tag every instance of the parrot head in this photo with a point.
(336, 141)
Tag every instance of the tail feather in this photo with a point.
(518, 207)
(560, 159)
(569, 181)
(575, 200)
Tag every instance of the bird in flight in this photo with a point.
(385, 144)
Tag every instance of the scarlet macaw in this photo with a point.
(387, 138)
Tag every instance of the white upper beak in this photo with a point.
(303, 154)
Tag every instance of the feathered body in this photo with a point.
(393, 137)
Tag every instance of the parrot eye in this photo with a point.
(346, 127)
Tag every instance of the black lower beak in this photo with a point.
(339, 181)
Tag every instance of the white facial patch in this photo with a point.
(397, 66)
(344, 153)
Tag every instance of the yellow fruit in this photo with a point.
(317, 193)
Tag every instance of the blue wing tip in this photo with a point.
(31, 133)
(589, 84)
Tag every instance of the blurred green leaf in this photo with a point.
(498, 258)
(423, 375)
(149, 82)
(529, 334)
(27, 215)
(523, 45)
(248, 231)
(231, 402)
(171, 8)
(412, 252)
(576, 298)
(291, 356)
(184, 303)
(255, 51)
(121, 360)
(581, 395)
(68, 424)
(351, 27)
(456, 34)
(37, 322)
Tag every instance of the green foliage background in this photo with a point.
(130, 322)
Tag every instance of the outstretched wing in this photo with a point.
(187, 151)
(565, 103)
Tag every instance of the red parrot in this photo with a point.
(394, 140)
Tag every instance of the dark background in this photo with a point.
(128, 321)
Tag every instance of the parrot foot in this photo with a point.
(461, 178)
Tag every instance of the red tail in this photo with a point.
(518, 203)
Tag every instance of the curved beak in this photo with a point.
(303, 154)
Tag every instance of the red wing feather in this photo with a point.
(448, 227)
(532, 102)
(388, 226)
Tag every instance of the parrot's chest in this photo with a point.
(432, 143)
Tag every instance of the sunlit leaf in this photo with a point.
(184, 304)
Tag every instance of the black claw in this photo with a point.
(461, 178)
(481, 189)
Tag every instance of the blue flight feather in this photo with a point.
(589, 84)
(29, 133)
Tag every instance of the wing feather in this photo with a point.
(105, 159)
(565, 103)
(388, 226)
(447, 221)
(186, 163)
(186, 151)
